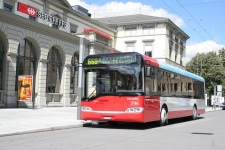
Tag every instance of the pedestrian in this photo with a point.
(214, 104)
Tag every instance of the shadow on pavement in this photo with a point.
(137, 126)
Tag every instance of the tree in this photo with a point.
(211, 67)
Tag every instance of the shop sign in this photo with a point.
(25, 87)
(51, 19)
(31, 11)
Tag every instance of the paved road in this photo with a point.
(22, 120)
(205, 133)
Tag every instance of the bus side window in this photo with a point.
(151, 80)
(154, 80)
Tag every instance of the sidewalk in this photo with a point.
(208, 109)
(23, 120)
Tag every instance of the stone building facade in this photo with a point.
(43, 39)
(157, 37)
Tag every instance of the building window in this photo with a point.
(181, 62)
(53, 71)
(171, 34)
(130, 47)
(32, 18)
(176, 53)
(181, 52)
(130, 31)
(26, 60)
(177, 39)
(148, 49)
(181, 56)
(148, 29)
(73, 28)
(181, 43)
(8, 8)
(170, 52)
(102, 40)
(74, 74)
(170, 49)
(189, 85)
(1, 63)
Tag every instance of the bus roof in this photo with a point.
(150, 61)
(167, 67)
(180, 71)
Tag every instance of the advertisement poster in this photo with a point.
(25, 87)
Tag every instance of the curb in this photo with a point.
(63, 127)
(43, 130)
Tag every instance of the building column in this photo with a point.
(10, 92)
(66, 84)
(10, 95)
(41, 87)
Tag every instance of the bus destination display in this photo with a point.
(111, 60)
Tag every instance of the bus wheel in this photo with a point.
(163, 117)
(194, 113)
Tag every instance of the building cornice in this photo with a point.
(79, 15)
(170, 24)
(55, 3)
(27, 24)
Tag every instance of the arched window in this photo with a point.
(1, 63)
(74, 73)
(26, 59)
(53, 71)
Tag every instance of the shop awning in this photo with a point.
(87, 30)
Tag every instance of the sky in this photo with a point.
(202, 20)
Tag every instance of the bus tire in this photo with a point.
(163, 117)
(194, 113)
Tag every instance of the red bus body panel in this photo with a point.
(152, 108)
(114, 107)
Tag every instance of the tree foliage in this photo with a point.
(211, 66)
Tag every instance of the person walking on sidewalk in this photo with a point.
(214, 105)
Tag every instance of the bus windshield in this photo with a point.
(113, 79)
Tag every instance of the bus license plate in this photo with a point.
(107, 118)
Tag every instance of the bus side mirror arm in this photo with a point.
(148, 72)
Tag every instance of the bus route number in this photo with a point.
(92, 61)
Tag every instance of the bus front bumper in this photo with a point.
(117, 116)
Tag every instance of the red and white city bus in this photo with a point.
(130, 87)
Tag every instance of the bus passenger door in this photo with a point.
(152, 100)
(152, 108)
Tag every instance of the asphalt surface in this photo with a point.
(23, 120)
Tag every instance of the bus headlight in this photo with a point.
(134, 110)
(84, 108)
